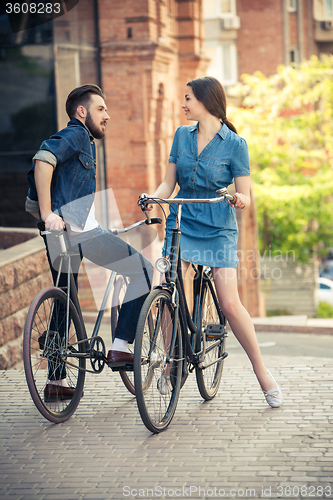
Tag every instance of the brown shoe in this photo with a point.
(120, 357)
(54, 392)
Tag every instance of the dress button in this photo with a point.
(92, 142)
(87, 164)
(87, 209)
(93, 192)
(94, 176)
(82, 225)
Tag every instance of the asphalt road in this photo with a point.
(289, 344)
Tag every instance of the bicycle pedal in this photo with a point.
(121, 367)
(214, 332)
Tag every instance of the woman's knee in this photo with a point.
(231, 307)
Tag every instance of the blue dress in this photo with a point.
(209, 231)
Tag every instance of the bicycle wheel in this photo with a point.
(209, 375)
(120, 288)
(157, 372)
(47, 357)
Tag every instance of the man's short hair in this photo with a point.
(81, 97)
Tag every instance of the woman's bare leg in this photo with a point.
(240, 321)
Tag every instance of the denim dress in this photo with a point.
(209, 231)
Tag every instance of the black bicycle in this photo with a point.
(55, 343)
(170, 341)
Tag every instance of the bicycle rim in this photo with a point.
(46, 355)
(157, 374)
(117, 299)
(209, 376)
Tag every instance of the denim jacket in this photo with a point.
(72, 154)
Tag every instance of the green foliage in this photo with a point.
(287, 120)
(324, 310)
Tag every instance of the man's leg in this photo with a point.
(109, 251)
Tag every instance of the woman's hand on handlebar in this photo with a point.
(143, 203)
(240, 201)
(54, 222)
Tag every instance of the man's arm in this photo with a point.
(43, 178)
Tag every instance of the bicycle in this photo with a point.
(169, 341)
(55, 341)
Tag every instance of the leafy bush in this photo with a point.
(324, 310)
(287, 120)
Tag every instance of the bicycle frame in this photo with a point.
(72, 294)
(174, 283)
(174, 278)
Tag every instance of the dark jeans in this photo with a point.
(109, 251)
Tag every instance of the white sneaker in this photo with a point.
(164, 385)
(274, 396)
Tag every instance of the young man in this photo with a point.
(62, 184)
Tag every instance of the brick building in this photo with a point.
(245, 36)
(142, 52)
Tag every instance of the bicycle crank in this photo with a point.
(97, 354)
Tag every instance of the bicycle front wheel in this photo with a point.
(48, 358)
(209, 374)
(157, 361)
(117, 299)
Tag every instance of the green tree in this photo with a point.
(287, 120)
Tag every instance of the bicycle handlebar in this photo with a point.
(148, 222)
(44, 230)
(223, 194)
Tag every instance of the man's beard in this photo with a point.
(93, 129)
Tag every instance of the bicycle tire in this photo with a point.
(118, 294)
(209, 377)
(157, 376)
(44, 353)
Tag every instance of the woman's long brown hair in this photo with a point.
(210, 92)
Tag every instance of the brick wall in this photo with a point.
(269, 31)
(149, 50)
(260, 39)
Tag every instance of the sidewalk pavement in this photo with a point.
(234, 446)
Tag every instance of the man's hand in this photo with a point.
(54, 222)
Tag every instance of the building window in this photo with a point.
(219, 8)
(294, 56)
(223, 65)
(323, 10)
(292, 5)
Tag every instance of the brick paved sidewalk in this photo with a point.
(232, 447)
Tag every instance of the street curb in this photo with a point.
(317, 330)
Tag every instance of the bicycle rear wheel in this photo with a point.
(117, 300)
(209, 375)
(47, 357)
(157, 371)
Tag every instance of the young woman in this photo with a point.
(206, 157)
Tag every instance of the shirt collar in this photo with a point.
(223, 132)
(75, 121)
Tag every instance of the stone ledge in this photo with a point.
(21, 270)
(12, 326)
(20, 297)
(23, 249)
(11, 353)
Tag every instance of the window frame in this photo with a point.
(222, 15)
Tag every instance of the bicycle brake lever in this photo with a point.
(147, 217)
(154, 220)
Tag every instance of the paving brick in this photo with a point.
(97, 451)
